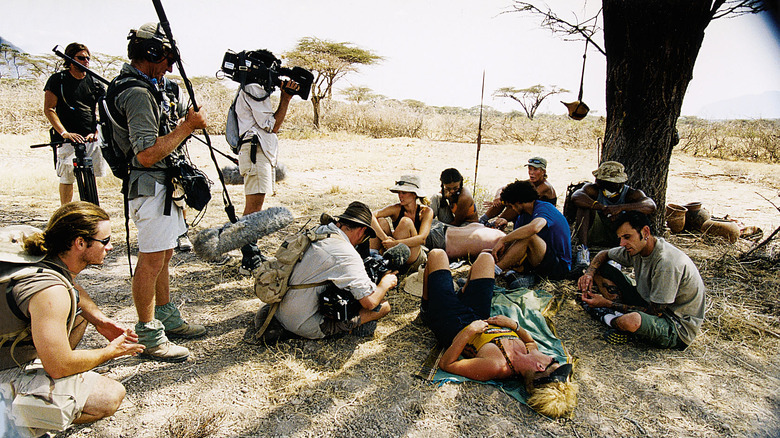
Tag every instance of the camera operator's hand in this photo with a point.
(389, 281)
(91, 137)
(289, 88)
(196, 120)
(73, 137)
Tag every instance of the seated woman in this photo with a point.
(493, 347)
(407, 222)
(537, 174)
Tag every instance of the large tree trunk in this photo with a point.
(651, 48)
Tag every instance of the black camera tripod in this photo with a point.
(82, 169)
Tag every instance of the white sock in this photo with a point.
(498, 270)
(608, 318)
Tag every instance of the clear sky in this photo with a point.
(435, 50)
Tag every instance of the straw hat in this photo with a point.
(414, 282)
(12, 245)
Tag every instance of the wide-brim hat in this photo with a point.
(611, 171)
(577, 109)
(409, 183)
(538, 162)
(12, 244)
(358, 213)
(413, 284)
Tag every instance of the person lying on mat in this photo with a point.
(492, 347)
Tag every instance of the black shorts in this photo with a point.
(446, 312)
(552, 266)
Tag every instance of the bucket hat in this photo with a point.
(12, 245)
(409, 183)
(358, 213)
(611, 171)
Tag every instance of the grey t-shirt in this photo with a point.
(668, 276)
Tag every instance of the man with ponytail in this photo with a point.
(45, 382)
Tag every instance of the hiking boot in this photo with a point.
(365, 330)
(183, 243)
(616, 337)
(252, 259)
(166, 352)
(186, 331)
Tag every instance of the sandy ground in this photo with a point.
(726, 384)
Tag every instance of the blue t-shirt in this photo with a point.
(555, 234)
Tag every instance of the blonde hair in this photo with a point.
(554, 399)
(72, 220)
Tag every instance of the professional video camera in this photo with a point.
(262, 67)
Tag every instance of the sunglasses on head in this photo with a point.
(406, 183)
(103, 241)
(534, 162)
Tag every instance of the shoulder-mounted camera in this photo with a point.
(263, 68)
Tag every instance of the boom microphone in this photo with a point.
(211, 243)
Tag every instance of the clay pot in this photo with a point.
(725, 228)
(675, 217)
(695, 216)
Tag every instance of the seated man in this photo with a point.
(455, 204)
(41, 313)
(493, 347)
(540, 241)
(599, 203)
(335, 259)
(666, 307)
(537, 175)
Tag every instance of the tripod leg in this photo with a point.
(86, 182)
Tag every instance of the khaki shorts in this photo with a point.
(40, 402)
(421, 260)
(66, 154)
(156, 232)
(258, 176)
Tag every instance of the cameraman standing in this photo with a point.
(69, 102)
(336, 259)
(257, 156)
(153, 135)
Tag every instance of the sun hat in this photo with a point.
(538, 162)
(358, 213)
(414, 282)
(409, 183)
(12, 245)
(611, 171)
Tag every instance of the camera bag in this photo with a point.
(338, 304)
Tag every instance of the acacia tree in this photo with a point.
(329, 61)
(529, 98)
(359, 94)
(651, 48)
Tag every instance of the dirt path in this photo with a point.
(725, 384)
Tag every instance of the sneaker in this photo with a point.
(615, 264)
(365, 330)
(186, 331)
(183, 243)
(517, 281)
(167, 352)
(582, 255)
(597, 313)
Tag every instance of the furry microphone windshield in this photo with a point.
(211, 243)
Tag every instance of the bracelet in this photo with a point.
(518, 325)
(594, 204)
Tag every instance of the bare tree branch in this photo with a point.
(582, 30)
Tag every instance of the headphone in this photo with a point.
(151, 49)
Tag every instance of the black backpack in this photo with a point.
(118, 160)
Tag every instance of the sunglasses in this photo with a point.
(406, 183)
(83, 58)
(534, 162)
(103, 241)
